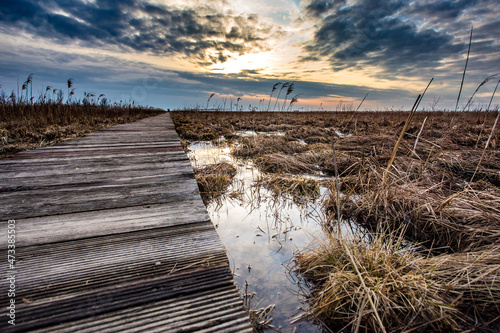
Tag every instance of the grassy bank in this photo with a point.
(30, 125)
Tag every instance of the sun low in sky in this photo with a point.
(176, 54)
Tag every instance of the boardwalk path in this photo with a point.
(112, 236)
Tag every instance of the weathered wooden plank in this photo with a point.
(92, 152)
(59, 228)
(50, 179)
(96, 262)
(138, 128)
(81, 161)
(72, 167)
(117, 297)
(161, 316)
(37, 202)
(118, 144)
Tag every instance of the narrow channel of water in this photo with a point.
(261, 233)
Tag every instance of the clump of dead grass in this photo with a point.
(463, 220)
(282, 163)
(213, 180)
(382, 286)
(375, 287)
(472, 278)
(298, 188)
(260, 145)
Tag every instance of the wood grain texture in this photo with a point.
(112, 236)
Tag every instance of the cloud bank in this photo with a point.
(198, 33)
(401, 37)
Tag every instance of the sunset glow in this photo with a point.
(334, 51)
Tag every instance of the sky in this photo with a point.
(177, 54)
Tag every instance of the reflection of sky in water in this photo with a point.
(244, 134)
(262, 233)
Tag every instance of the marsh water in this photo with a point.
(261, 232)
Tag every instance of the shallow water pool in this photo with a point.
(261, 232)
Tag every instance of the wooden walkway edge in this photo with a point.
(111, 235)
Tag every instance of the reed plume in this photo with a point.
(275, 86)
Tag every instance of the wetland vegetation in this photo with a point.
(28, 122)
(420, 196)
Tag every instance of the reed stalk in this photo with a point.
(465, 69)
(418, 135)
(337, 190)
(403, 131)
(489, 78)
(492, 95)
(275, 86)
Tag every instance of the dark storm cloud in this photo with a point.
(457, 17)
(200, 33)
(402, 37)
(441, 10)
(319, 7)
(372, 32)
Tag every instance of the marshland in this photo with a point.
(333, 221)
(355, 221)
(28, 121)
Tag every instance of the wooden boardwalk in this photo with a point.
(112, 236)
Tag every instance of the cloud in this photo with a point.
(316, 8)
(199, 33)
(441, 10)
(372, 32)
(399, 37)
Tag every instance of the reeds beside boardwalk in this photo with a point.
(31, 125)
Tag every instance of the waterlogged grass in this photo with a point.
(296, 188)
(213, 180)
(430, 182)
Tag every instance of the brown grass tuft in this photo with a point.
(376, 287)
(382, 286)
(299, 189)
(213, 180)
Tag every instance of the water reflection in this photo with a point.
(261, 232)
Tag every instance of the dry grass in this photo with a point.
(213, 180)
(461, 219)
(28, 126)
(473, 279)
(282, 163)
(297, 188)
(382, 286)
(376, 287)
(261, 145)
